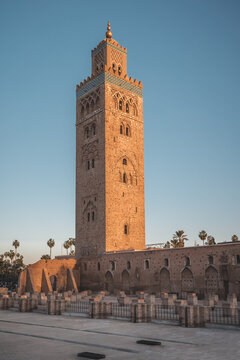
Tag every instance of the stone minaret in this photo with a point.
(110, 214)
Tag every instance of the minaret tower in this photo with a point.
(110, 214)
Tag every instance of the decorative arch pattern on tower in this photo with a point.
(90, 213)
(88, 103)
(124, 103)
(125, 128)
(90, 151)
(99, 62)
(125, 171)
(116, 56)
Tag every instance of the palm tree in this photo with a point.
(6, 254)
(16, 244)
(45, 257)
(51, 244)
(178, 238)
(167, 245)
(66, 245)
(19, 262)
(203, 235)
(70, 242)
(234, 238)
(211, 240)
(11, 255)
(174, 243)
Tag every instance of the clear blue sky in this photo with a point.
(187, 54)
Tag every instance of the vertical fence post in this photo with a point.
(190, 316)
(29, 304)
(204, 315)
(51, 306)
(151, 308)
(183, 319)
(23, 304)
(62, 305)
(90, 309)
(107, 309)
(134, 312)
(1, 302)
(57, 307)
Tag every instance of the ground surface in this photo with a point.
(25, 336)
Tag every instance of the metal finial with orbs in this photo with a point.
(108, 33)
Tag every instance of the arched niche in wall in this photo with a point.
(165, 280)
(109, 281)
(211, 280)
(125, 281)
(187, 280)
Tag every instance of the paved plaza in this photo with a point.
(25, 336)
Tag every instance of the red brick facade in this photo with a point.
(202, 269)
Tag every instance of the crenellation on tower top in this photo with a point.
(108, 57)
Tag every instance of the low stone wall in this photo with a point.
(143, 307)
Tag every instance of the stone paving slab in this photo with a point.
(25, 336)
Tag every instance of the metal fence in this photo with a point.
(121, 311)
(166, 312)
(224, 316)
(81, 307)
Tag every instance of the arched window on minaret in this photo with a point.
(87, 132)
(124, 178)
(130, 178)
(87, 108)
(120, 104)
(93, 129)
(135, 110)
